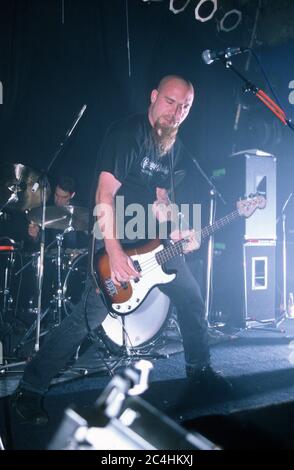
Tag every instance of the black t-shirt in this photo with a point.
(129, 153)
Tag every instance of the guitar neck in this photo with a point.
(218, 224)
(177, 248)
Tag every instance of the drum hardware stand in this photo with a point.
(6, 289)
(173, 327)
(13, 197)
(6, 367)
(43, 184)
(60, 297)
(7, 276)
(127, 355)
(32, 328)
(32, 261)
(6, 326)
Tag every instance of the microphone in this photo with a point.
(209, 56)
(37, 183)
(70, 131)
(35, 187)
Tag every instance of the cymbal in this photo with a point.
(79, 216)
(16, 187)
(61, 218)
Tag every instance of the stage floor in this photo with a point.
(258, 363)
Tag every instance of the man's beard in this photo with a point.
(164, 137)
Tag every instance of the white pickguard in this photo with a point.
(151, 275)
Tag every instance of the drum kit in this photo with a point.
(65, 269)
(20, 202)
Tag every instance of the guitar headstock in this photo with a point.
(247, 207)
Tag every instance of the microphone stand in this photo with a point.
(281, 115)
(43, 183)
(207, 179)
(285, 255)
(212, 211)
(261, 95)
(210, 250)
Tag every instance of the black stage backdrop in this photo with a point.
(57, 55)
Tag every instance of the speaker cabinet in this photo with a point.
(261, 177)
(250, 244)
(249, 172)
(259, 280)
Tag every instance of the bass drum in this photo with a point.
(141, 327)
(74, 281)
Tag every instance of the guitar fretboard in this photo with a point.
(177, 247)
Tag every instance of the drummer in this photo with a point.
(63, 195)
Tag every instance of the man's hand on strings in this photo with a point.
(122, 268)
(193, 241)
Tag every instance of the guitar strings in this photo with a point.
(152, 262)
(149, 265)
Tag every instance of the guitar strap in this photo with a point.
(172, 188)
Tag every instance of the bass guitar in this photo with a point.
(150, 258)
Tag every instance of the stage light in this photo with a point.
(201, 5)
(228, 22)
(178, 10)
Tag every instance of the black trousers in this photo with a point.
(61, 343)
